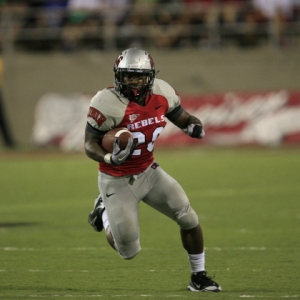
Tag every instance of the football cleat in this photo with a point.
(202, 283)
(95, 217)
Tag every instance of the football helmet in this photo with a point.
(134, 74)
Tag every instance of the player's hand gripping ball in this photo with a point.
(122, 134)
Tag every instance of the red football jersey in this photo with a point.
(109, 110)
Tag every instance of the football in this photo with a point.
(121, 133)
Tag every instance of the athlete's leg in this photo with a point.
(121, 208)
(108, 233)
(168, 197)
(192, 240)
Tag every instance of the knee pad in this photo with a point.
(128, 251)
(186, 218)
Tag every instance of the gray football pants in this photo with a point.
(121, 196)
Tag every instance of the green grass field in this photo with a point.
(248, 202)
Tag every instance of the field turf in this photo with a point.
(248, 202)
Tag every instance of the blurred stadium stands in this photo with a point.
(70, 25)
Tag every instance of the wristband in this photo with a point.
(107, 158)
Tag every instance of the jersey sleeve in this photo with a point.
(163, 88)
(106, 111)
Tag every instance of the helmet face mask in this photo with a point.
(134, 74)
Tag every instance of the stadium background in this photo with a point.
(29, 76)
(35, 65)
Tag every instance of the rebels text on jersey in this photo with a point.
(108, 110)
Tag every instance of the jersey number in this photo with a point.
(142, 139)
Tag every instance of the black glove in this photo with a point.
(195, 131)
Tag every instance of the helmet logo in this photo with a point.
(118, 60)
(151, 61)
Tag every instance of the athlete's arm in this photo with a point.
(190, 124)
(92, 144)
(93, 149)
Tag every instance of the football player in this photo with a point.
(141, 102)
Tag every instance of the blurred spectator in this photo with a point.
(12, 19)
(118, 10)
(228, 19)
(116, 15)
(83, 19)
(55, 12)
(252, 27)
(201, 17)
(44, 19)
(277, 13)
(34, 16)
(134, 32)
(92, 37)
(94, 23)
(167, 30)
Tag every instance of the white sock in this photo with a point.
(105, 220)
(197, 262)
